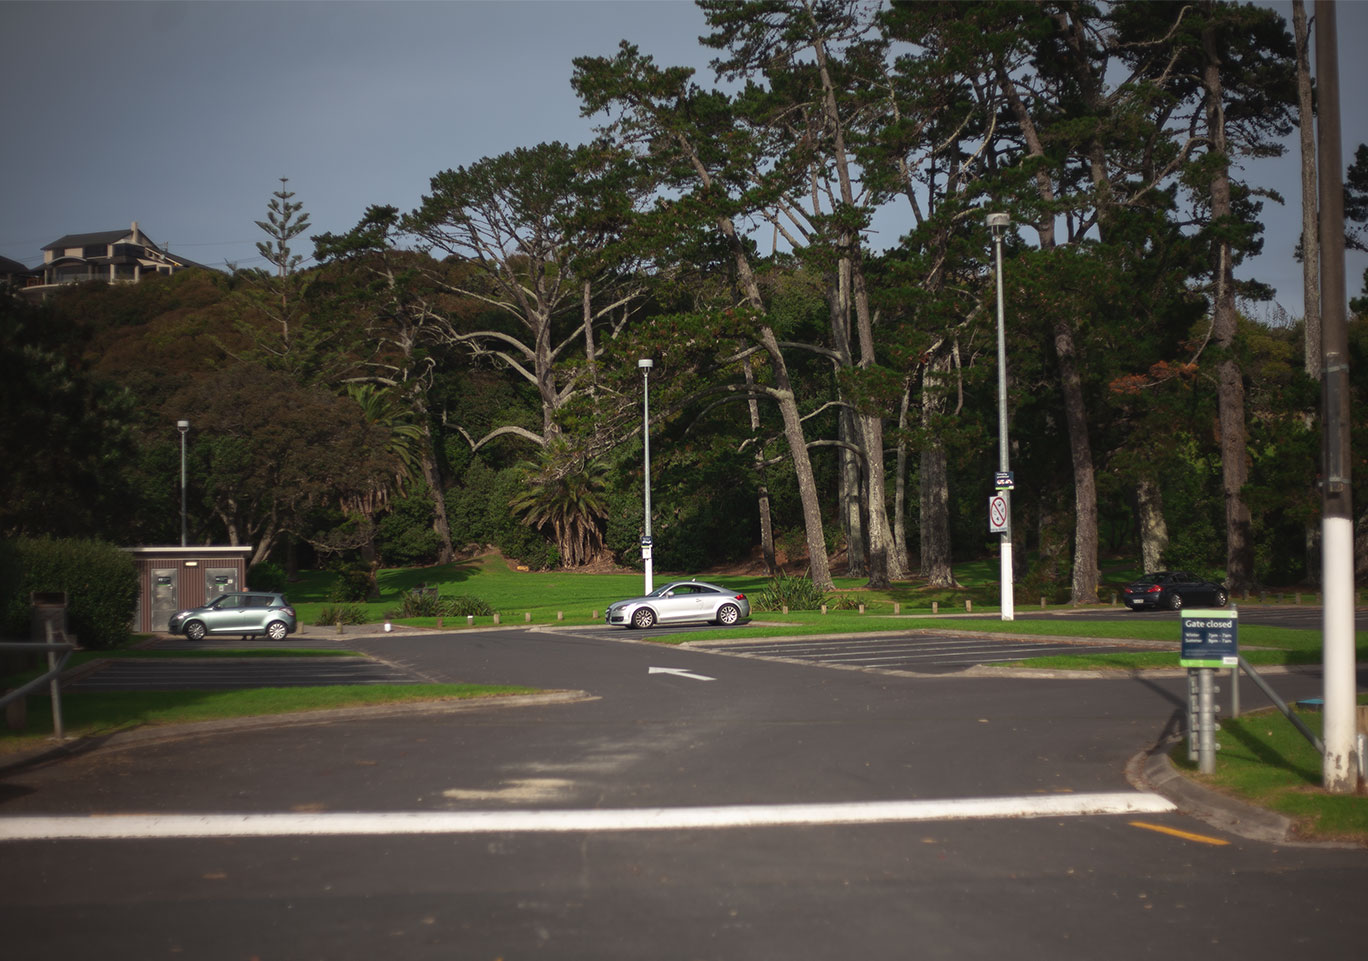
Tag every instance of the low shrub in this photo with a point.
(795, 593)
(333, 614)
(354, 584)
(425, 602)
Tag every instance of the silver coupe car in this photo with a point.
(681, 601)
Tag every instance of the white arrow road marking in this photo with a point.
(679, 672)
(556, 821)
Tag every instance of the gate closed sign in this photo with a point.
(1210, 638)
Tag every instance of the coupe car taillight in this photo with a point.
(1153, 589)
(740, 597)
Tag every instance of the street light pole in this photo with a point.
(998, 223)
(646, 364)
(184, 427)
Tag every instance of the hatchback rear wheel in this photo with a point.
(276, 630)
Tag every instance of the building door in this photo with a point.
(165, 597)
(219, 580)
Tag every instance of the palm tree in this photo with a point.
(381, 408)
(565, 492)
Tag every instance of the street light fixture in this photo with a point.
(646, 364)
(184, 427)
(998, 223)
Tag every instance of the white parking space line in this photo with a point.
(140, 826)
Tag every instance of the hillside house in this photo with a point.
(112, 256)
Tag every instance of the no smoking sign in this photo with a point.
(997, 514)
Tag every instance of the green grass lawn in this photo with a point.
(98, 713)
(1265, 760)
(551, 597)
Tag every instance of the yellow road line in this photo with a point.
(1185, 835)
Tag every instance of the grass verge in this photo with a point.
(1266, 761)
(97, 713)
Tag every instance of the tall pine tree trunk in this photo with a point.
(1230, 380)
(1154, 536)
(934, 475)
(762, 481)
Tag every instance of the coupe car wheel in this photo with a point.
(195, 631)
(1222, 598)
(728, 614)
(643, 617)
(1175, 602)
(276, 630)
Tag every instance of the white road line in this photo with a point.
(630, 819)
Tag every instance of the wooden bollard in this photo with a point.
(527, 617)
(560, 615)
(897, 608)
(823, 608)
(968, 606)
(862, 608)
(935, 607)
(470, 620)
(496, 617)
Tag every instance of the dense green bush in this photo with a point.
(355, 583)
(425, 602)
(100, 581)
(334, 614)
(404, 536)
(478, 512)
(266, 576)
(795, 593)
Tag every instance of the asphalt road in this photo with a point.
(757, 736)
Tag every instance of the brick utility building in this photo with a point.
(174, 578)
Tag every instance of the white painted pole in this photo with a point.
(998, 222)
(1339, 770)
(647, 549)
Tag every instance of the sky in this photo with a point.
(184, 116)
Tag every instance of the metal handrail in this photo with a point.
(52, 677)
(1280, 704)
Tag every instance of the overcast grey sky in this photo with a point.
(183, 116)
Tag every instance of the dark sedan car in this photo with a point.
(1172, 590)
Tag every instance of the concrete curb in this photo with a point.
(1154, 771)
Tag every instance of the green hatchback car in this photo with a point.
(244, 613)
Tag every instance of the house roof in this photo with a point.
(89, 240)
(8, 266)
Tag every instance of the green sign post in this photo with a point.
(1210, 641)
